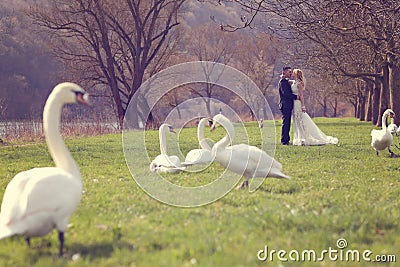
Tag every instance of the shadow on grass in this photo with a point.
(101, 250)
(45, 251)
(280, 186)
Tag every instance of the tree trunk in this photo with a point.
(355, 106)
(325, 107)
(132, 115)
(208, 107)
(109, 70)
(376, 99)
(335, 107)
(384, 97)
(394, 88)
(361, 106)
(368, 105)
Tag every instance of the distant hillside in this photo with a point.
(196, 13)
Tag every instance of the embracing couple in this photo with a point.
(291, 103)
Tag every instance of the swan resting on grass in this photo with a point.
(163, 162)
(41, 199)
(382, 139)
(249, 161)
(200, 155)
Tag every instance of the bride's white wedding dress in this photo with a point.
(305, 131)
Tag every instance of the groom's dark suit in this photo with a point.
(286, 106)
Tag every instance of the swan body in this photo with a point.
(382, 139)
(41, 199)
(250, 161)
(163, 162)
(200, 155)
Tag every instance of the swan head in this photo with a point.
(167, 126)
(153, 166)
(389, 113)
(210, 122)
(220, 119)
(70, 93)
(393, 128)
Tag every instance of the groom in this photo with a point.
(286, 103)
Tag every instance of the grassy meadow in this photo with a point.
(336, 191)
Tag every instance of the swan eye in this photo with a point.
(82, 97)
(78, 93)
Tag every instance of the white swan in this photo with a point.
(41, 199)
(260, 124)
(203, 154)
(250, 161)
(382, 139)
(163, 162)
(392, 127)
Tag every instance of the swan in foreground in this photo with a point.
(41, 199)
(382, 139)
(203, 154)
(250, 161)
(163, 162)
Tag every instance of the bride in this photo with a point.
(305, 131)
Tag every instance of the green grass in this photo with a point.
(336, 191)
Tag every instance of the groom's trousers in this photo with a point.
(286, 119)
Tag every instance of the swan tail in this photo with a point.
(186, 164)
(5, 232)
(172, 168)
(278, 174)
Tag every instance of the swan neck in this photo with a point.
(200, 135)
(163, 140)
(384, 121)
(55, 143)
(224, 142)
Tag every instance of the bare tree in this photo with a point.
(257, 56)
(208, 43)
(114, 44)
(339, 36)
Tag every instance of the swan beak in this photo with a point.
(171, 129)
(83, 99)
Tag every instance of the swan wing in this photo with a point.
(249, 161)
(198, 156)
(235, 158)
(376, 133)
(381, 139)
(44, 199)
(13, 205)
(259, 155)
(164, 163)
(263, 165)
(165, 160)
(255, 156)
